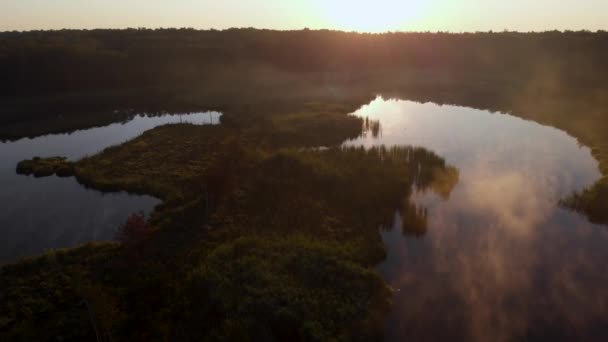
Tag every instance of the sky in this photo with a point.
(348, 15)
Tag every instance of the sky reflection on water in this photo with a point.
(500, 259)
(39, 214)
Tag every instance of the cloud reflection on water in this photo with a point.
(500, 260)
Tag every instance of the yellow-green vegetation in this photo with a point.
(48, 298)
(315, 124)
(289, 289)
(43, 167)
(258, 238)
(591, 201)
(253, 241)
(555, 78)
(170, 162)
(251, 219)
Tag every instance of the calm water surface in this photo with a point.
(500, 260)
(39, 214)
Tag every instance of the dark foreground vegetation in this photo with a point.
(252, 242)
(259, 236)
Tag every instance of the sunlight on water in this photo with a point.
(500, 260)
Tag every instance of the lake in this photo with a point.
(39, 214)
(500, 259)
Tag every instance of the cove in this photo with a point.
(40, 214)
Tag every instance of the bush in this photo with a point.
(135, 230)
(291, 289)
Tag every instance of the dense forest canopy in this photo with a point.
(42, 62)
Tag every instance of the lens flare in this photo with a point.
(370, 16)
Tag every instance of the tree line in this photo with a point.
(48, 62)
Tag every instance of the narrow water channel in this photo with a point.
(39, 214)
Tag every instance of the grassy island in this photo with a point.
(43, 167)
(258, 236)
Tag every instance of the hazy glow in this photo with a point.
(500, 259)
(371, 16)
(357, 15)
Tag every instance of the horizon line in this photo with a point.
(186, 28)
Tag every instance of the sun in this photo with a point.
(370, 16)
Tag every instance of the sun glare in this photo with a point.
(370, 16)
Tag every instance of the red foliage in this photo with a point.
(135, 230)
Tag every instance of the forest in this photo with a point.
(540, 76)
(50, 62)
(238, 251)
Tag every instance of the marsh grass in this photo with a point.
(590, 201)
(259, 237)
(244, 199)
(43, 167)
(255, 238)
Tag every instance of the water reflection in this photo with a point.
(371, 128)
(499, 260)
(47, 213)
